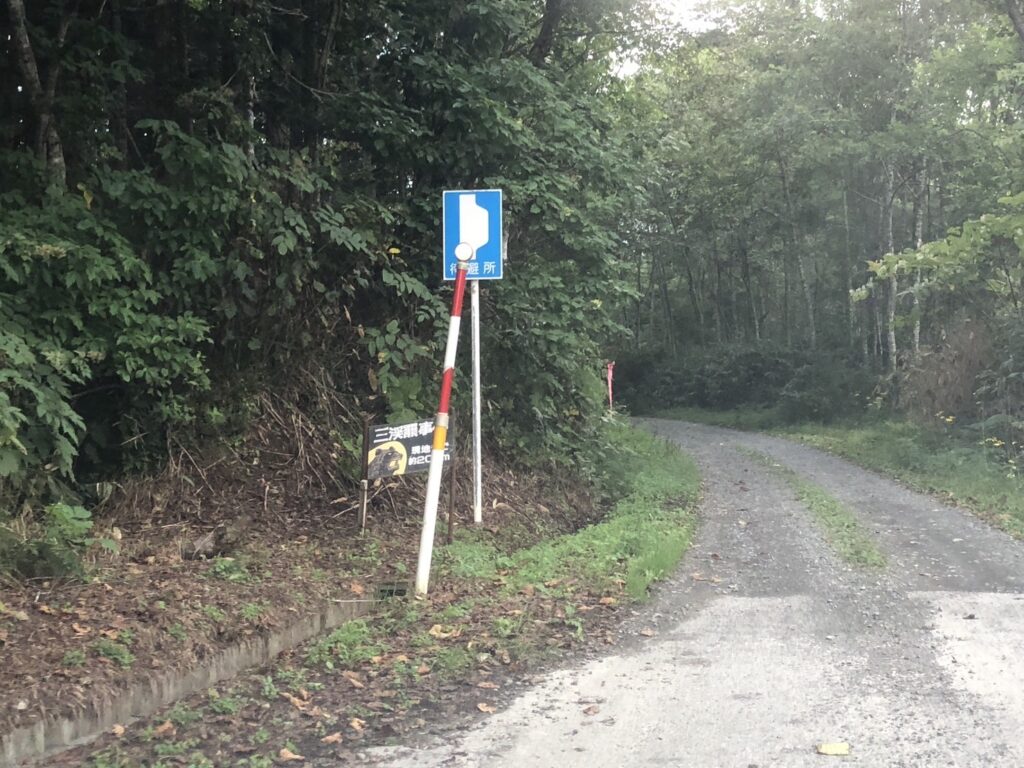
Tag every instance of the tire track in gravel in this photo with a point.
(766, 644)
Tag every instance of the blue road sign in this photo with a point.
(472, 222)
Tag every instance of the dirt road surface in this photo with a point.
(766, 645)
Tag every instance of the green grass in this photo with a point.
(351, 643)
(946, 462)
(224, 705)
(253, 612)
(641, 540)
(75, 658)
(842, 529)
(114, 651)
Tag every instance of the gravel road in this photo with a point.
(765, 644)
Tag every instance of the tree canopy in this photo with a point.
(204, 200)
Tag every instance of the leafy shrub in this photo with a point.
(825, 391)
(50, 545)
(740, 376)
(722, 377)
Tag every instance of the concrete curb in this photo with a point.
(144, 697)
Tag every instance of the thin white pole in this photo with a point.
(478, 481)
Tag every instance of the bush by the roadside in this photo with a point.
(723, 377)
(819, 388)
(825, 391)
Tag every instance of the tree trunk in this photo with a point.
(670, 333)
(1016, 13)
(919, 211)
(851, 317)
(546, 37)
(718, 297)
(749, 284)
(787, 326)
(695, 301)
(49, 146)
(888, 246)
(798, 255)
(119, 118)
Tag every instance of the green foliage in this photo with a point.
(352, 643)
(214, 613)
(642, 539)
(73, 659)
(218, 237)
(115, 651)
(253, 612)
(824, 392)
(225, 705)
(232, 569)
(182, 715)
(49, 545)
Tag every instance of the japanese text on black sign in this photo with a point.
(400, 449)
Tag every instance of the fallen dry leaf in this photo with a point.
(353, 678)
(488, 685)
(3, 635)
(423, 670)
(356, 724)
(486, 708)
(117, 730)
(111, 634)
(79, 629)
(287, 756)
(648, 632)
(608, 601)
(164, 729)
(43, 608)
(835, 749)
(19, 615)
(21, 706)
(334, 738)
(441, 633)
(356, 588)
(295, 701)
(593, 709)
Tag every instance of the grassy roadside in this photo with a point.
(641, 539)
(841, 527)
(947, 463)
(497, 608)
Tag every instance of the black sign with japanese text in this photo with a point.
(400, 449)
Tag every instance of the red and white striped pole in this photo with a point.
(463, 252)
(611, 376)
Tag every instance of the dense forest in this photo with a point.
(221, 218)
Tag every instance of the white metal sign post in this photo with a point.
(472, 235)
(488, 263)
(478, 460)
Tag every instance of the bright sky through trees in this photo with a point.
(686, 12)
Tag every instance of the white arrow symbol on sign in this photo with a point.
(474, 226)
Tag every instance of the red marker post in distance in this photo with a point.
(463, 252)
